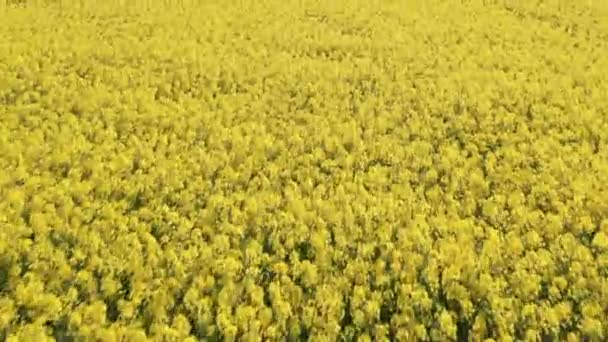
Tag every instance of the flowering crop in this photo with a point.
(290, 170)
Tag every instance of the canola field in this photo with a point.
(304, 170)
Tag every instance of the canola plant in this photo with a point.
(304, 170)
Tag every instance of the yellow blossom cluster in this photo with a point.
(295, 170)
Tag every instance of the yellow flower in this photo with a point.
(446, 322)
(601, 240)
(592, 328)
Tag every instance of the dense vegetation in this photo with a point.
(291, 170)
